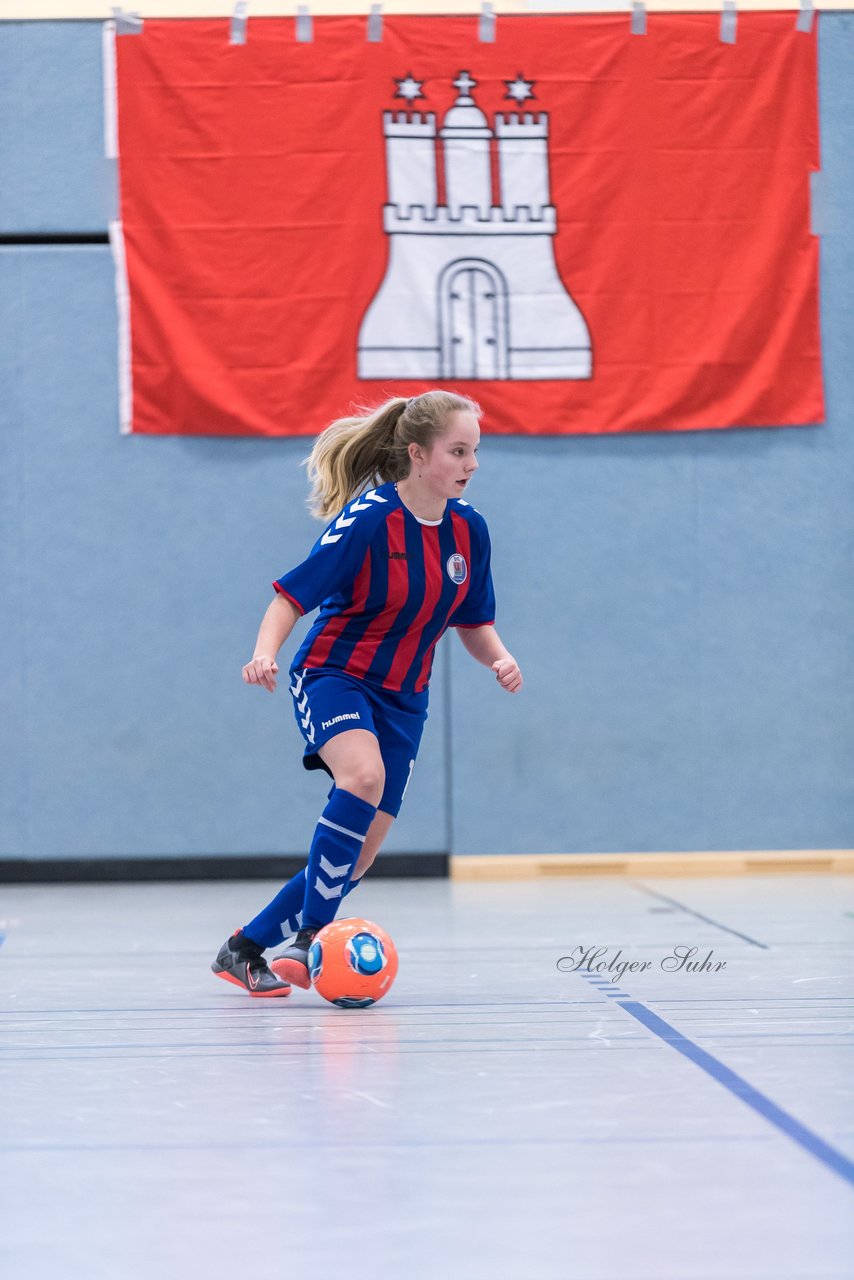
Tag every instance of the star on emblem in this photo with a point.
(408, 87)
(520, 89)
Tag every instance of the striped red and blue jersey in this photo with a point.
(388, 585)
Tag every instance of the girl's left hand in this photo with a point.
(507, 674)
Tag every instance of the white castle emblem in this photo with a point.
(472, 288)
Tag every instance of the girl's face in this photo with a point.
(448, 465)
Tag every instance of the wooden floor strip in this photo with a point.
(528, 866)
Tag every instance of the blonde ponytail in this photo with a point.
(353, 454)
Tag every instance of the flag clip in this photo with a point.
(487, 24)
(239, 18)
(304, 29)
(638, 18)
(729, 21)
(375, 24)
(805, 17)
(127, 24)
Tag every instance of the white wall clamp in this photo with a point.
(127, 24)
(805, 17)
(375, 24)
(486, 29)
(239, 19)
(304, 25)
(729, 22)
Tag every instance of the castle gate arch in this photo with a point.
(474, 335)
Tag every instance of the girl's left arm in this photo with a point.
(484, 644)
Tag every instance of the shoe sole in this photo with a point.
(256, 995)
(291, 971)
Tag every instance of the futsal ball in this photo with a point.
(352, 963)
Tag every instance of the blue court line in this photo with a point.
(740, 1088)
(699, 915)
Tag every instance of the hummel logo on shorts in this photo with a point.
(348, 715)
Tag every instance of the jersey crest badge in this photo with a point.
(457, 568)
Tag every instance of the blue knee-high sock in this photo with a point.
(335, 849)
(281, 917)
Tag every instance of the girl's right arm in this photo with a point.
(276, 625)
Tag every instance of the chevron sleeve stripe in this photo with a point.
(335, 559)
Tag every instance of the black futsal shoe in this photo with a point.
(242, 962)
(292, 963)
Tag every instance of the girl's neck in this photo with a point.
(423, 504)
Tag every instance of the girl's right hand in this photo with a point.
(261, 670)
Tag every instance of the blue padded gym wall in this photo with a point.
(681, 605)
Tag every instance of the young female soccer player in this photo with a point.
(400, 563)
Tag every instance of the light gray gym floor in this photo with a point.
(493, 1116)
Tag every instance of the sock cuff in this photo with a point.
(349, 811)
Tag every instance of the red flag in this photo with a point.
(585, 230)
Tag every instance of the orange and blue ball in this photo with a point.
(352, 963)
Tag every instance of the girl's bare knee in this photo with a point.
(355, 762)
(365, 781)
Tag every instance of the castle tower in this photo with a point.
(466, 136)
(411, 161)
(523, 161)
(471, 290)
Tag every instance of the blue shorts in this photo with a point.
(328, 702)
